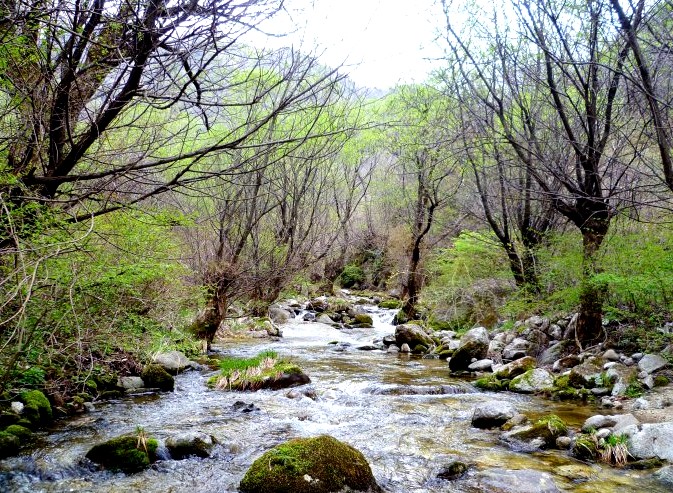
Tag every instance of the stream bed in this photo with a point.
(406, 415)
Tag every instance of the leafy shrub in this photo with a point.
(351, 275)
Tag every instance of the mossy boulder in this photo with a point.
(587, 374)
(127, 453)
(413, 335)
(155, 376)
(542, 433)
(363, 320)
(21, 432)
(36, 407)
(516, 368)
(535, 380)
(9, 444)
(310, 465)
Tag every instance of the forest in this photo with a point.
(164, 182)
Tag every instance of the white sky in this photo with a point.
(380, 42)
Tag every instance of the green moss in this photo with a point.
(37, 407)
(419, 349)
(389, 304)
(661, 381)
(309, 465)
(363, 319)
(21, 432)
(9, 444)
(126, 453)
(490, 382)
(549, 428)
(564, 391)
(157, 377)
(446, 353)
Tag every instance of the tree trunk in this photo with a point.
(589, 329)
(413, 284)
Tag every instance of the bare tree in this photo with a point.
(558, 98)
(106, 103)
(422, 134)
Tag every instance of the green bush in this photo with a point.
(351, 275)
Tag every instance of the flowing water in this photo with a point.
(406, 415)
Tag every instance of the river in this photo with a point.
(385, 405)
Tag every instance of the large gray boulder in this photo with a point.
(587, 374)
(413, 335)
(535, 380)
(473, 344)
(650, 440)
(665, 475)
(516, 349)
(278, 315)
(172, 361)
(616, 422)
(514, 481)
(552, 353)
(651, 363)
(130, 383)
(492, 414)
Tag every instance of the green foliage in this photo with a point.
(263, 370)
(351, 275)
(31, 377)
(113, 290)
(467, 282)
(231, 364)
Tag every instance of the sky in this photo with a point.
(379, 42)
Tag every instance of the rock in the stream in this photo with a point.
(651, 363)
(278, 315)
(535, 380)
(323, 318)
(473, 344)
(650, 440)
(128, 453)
(615, 422)
(412, 335)
(310, 465)
(154, 376)
(665, 475)
(541, 434)
(453, 470)
(515, 368)
(9, 444)
(130, 383)
(190, 444)
(492, 414)
(242, 407)
(514, 481)
(587, 374)
(516, 349)
(172, 361)
(481, 365)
